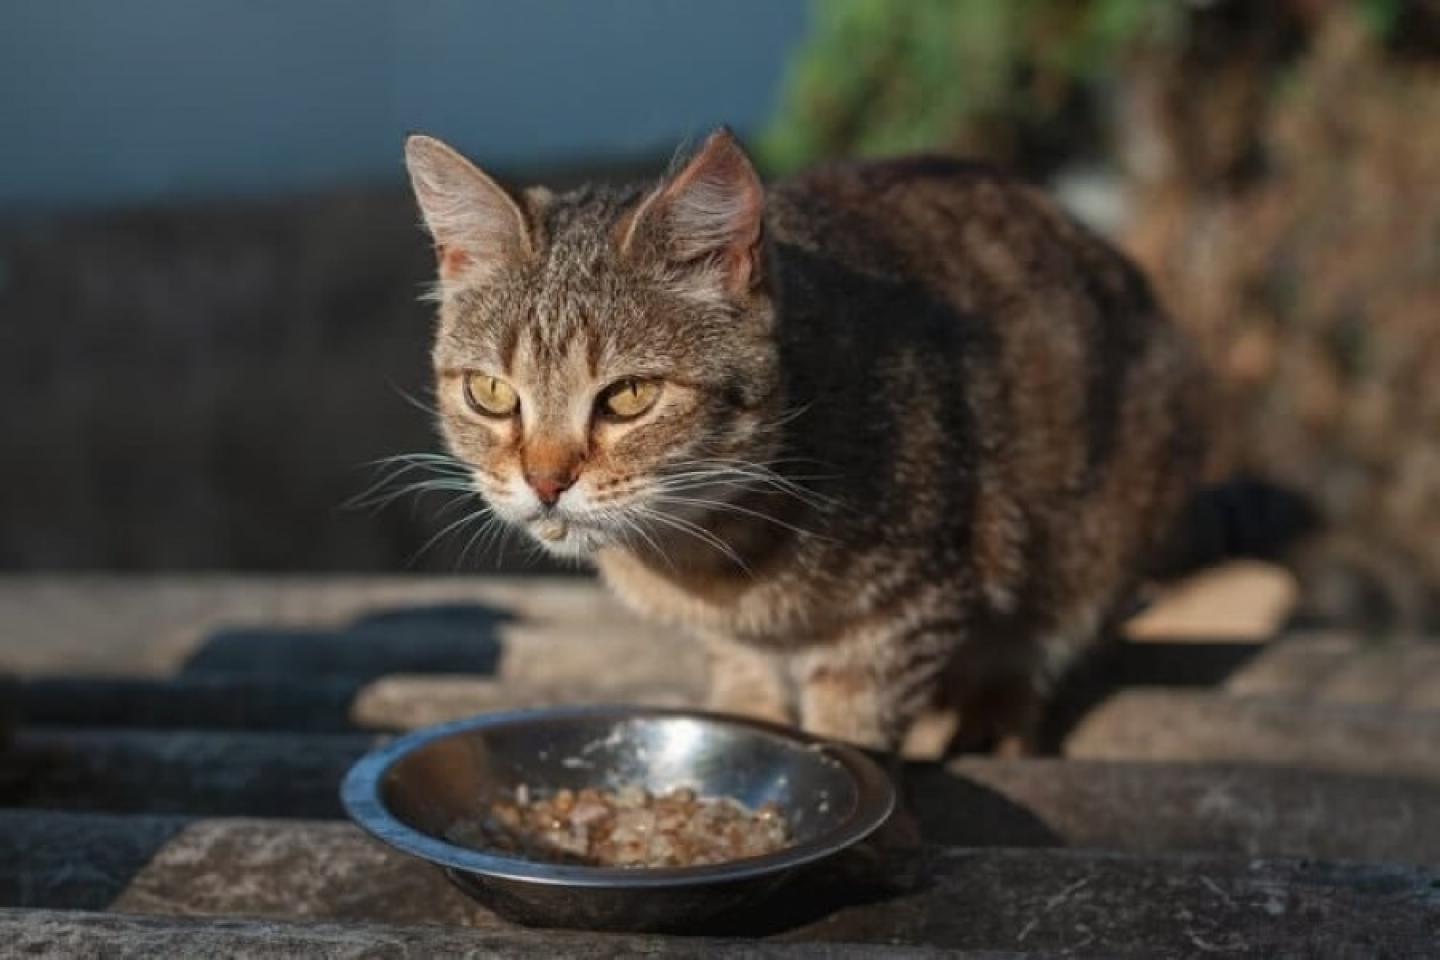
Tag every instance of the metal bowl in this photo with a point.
(412, 791)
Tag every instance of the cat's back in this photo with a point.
(968, 231)
(984, 331)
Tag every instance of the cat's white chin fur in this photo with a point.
(563, 538)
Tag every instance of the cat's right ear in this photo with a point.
(708, 215)
(477, 226)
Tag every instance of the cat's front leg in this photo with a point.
(868, 687)
(746, 681)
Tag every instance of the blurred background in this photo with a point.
(209, 262)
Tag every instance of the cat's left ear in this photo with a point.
(710, 214)
(478, 227)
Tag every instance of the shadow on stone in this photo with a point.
(891, 864)
(1115, 665)
(932, 794)
(869, 874)
(75, 861)
(455, 638)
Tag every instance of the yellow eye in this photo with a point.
(629, 398)
(490, 395)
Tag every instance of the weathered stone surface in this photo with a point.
(436, 638)
(313, 654)
(176, 865)
(197, 772)
(611, 650)
(1163, 808)
(974, 801)
(75, 861)
(210, 701)
(1240, 600)
(1078, 903)
(410, 702)
(292, 868)
(9, 707)
(529, 677)
(71, 934)
(1041, 900)
(1344, 668)
(1188, 726)
(154, 625)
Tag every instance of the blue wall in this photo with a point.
(108, 102)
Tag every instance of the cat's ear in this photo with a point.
(477, 226)
(709, 214)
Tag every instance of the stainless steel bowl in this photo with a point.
(414, 789)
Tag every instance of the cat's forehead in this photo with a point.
(577, 229)
(577, 213)
(577, 293)
(580, 288)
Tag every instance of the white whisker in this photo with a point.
(447, 529)
(726, 506)
(699, 533)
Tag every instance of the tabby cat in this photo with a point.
(882, 436)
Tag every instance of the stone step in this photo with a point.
(1344, 668)
(1203, 727)
(974, 801)
(163, 625)
(1170, 807)
(539, 667)
(258, 683)
(394, 652)
(53, 933)
(1040, 900)
(171, 624)
(1238, 600)
(323, 704)
(213, 701)
(410, 702)
(222, 773)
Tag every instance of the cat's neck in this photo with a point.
(722, 548)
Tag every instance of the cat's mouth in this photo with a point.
(565, 533)
(551, 528)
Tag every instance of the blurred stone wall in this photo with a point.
(205, 386)
(1288, 206)
(200, 386)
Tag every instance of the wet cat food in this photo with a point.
(628, 827)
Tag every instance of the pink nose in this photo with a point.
(549, 486)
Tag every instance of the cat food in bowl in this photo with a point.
(617, 818)
(629, 827)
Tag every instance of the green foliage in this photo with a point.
(887, 76)
(1381, 16)
(1003, 78)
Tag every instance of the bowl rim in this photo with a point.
(360, 794)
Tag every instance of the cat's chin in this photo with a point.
(561, 538)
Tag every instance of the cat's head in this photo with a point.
(602, 356)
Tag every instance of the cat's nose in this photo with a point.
(549, 486)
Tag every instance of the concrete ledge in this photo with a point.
(73, 934)
(1173, 725)
(1155, 808)
(156, 625)
(1041, 900)
(1345, 669)
(974, 801)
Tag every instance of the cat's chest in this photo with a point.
(762, 612)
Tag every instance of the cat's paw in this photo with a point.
(738, 703)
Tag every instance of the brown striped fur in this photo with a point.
(958, 424)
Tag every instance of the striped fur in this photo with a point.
(918, 437)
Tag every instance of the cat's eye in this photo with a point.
(628, 398)
(490, 395)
